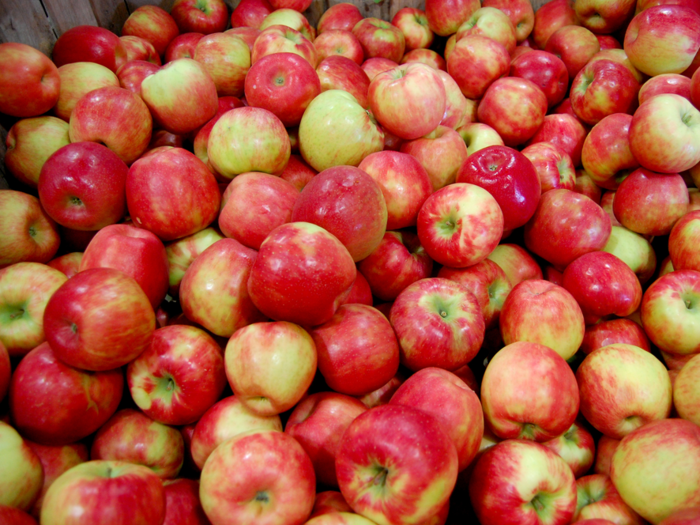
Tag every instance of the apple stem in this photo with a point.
(262, 497)
(380, 478)
(16, 314)
(537, 503)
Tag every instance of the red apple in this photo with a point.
(575, 446)
(250, 13)
(227, 60)
(195, 16)
(606, 154)
(341, 16)
(29, 83)
(21, 472)
(614, 331)
(86, 43)
(182, 46)
(475, 63)
(549, 18)
(152, 23)
(546, 70)
(445, 16)
(521, 14)
(598, 499)
(339, 42)
(339, 72)
(139, 49)
(182, 505)
(380, 38)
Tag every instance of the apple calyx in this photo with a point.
(262, 497)
(529, 431)
(380, 478)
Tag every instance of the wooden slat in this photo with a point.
(110, 14)
(314, 12)
(25, 21)
(135, 4)
(67, 14)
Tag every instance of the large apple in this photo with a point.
(197, 16)
(21, 473)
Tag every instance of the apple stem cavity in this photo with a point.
(380, 476)
(262, 497)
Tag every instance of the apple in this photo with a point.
(576, 446)
(280, 38)
(664, 197)
(357, 350)
(599, 499)
(682, 517)
(103, 114)
(297, 172)
(341, 16)
(283, 83)
(375, 65)
(604, 452)
(606, 155)
(672, 31)
(517, 263)
(132, 74)
(546, 70)
(477, 136)
(564, 131)
(182, 46)
(339, 42)
(29, 83)
(680, 242)
(586, 186)
(339, 72)
(139, 49)
(270, 366)
(318, 423)
(152, 23)
(636, 389)
(475, 63)
(603, 285)
(574, 45)
(248, 139)
(458, 109)
(560, 321)
(178, 377)
(445, 16)
(394, 444)
(509, 176)
(685, 391)
(554, 166)
(261, 477)
(68, 264)
(54, 404)
(460, 413)
(330, 502)
(102, 492)
(566, 225)
(182, 96)
(227, 59)
(250, 13)
(667, 83)
(182, 505)
(438, 323)
(668, 312)
(22, 474)
(347, 203)
(614, 331)
(5, 371)
(521, 14)
(409, 100)
(289, 18)
(657, 455)
(380, 38)
(549, 18)
(227, 418)
(196, 16)
(214, 292)
(492, 23)
(524, 481)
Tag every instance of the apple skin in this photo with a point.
(139, 49)
(227, 60)
(507, 478)
(339, 42)
(250, 13)
(207, 17)
(22, 474)
(681, 242)
(565, 132)
(397, 262)
(357, 350)
(152, 23)
(556, 14)
(29, 83)
(576, 446)
(172, 194)
(99, 320)
(438, 323)
(603, 17)
(560, 211)
(509, 176)
(134, 251)
(560, 323)
(685, 391)
(244, 475)
(672, 30)
(553, 165)
(182, 505)
(636, 389)
(5, 371)
(253, 205)
(79, 197)
(460, 412)
(606, 154)
(546, 70)
(103, 115)
(283, 83)
(664, 196)
(182, 46)
(86, 43)
(392, 444)
(340, 72)
(317, 423)
(598, 499)
(25, 290)
(178, 377)
(380, 38)
(341, 16)
(404, 182)
(132, 74)
(30, 142)
(682, 517)
(328, 502)
(248, 139)
(336, 130)
(659, 454)
(347, 203)
(460, 225)
(64, 406)
(512, 409)
(281, 38)
(128, 493)
(270, 366)
(603, 285)
(614, 331)
(668, 312)
(665, 134)
(409, 100)
(14, 516)
(492, 23)
(517, 263)
(475, 63)
(224, 420)
(515, 123)
(521, 14)
(445, 16)
(667, 83)
(575, 45)
(214, 288)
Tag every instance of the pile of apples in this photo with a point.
(420, 272)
